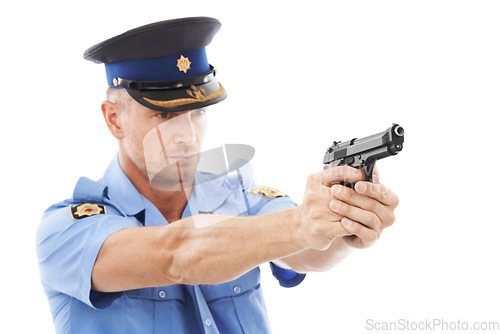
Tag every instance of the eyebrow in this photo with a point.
(152, 111)
(177, 113)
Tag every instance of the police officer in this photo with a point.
(157, 245)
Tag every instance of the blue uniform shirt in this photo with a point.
(67, 249)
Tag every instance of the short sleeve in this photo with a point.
(268, 205)
(286, 277)
(67, 250)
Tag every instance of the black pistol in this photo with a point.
(364, 152)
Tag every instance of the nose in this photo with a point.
(184, 129)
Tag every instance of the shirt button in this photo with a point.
(162, 294)
(208, 322)
(237, 289)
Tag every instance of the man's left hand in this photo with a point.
(370, 204)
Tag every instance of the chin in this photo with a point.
(172, 178)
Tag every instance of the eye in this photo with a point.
(163, 115)
(199, 112)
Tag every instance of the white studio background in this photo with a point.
(299, 75)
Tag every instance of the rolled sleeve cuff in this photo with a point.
(286, 277)
(95, 299)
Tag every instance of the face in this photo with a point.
(164, 146)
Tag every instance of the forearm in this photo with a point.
(207, 250)
(204, 249)
(311, 260)
(224, 250)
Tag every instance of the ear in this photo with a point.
(112, 115)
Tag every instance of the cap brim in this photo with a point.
(180, 99)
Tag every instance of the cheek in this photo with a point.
(151, 143)
(139, 138)
(135, 137)
(201, 129)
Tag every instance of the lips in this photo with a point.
(176, 158)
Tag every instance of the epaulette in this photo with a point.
(93, 194)
(267, 192)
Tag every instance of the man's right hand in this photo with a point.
(318, 224)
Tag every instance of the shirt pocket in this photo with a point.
(156, 310)
(238, 306)
(166, 293)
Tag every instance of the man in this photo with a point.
(157, 245)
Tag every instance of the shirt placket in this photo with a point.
(209, 325)
(162, 320)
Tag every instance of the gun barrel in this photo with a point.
(374, 147)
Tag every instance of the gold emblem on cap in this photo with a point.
(196, 93)
(199, 95)
(183, 64)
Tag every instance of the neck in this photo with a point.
(171, 204)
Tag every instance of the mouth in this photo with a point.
(178, 158)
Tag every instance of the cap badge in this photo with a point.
(183, 64)
(86, 210)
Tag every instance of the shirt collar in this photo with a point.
(121, 191)
(209, 193)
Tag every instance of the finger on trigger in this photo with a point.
(340, 174)
(376, 175)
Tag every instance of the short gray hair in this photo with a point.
(118, 96)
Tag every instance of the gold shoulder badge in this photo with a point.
(267, 192)
(183, 64)
(86, 210)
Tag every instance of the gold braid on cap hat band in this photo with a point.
(198, 95)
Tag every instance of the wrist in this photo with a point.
(298, 233)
